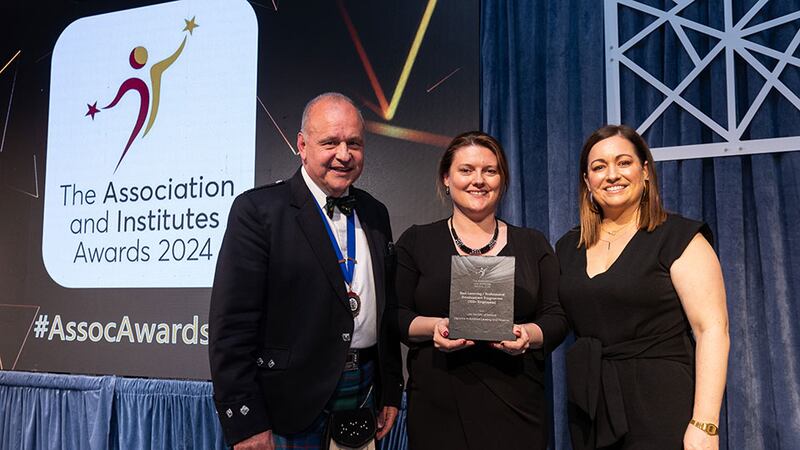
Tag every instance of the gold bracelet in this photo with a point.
(708, 428)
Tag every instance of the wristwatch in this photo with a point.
(709, 428)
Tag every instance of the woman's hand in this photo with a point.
(517, 346)
(441, 331)
(697, 439)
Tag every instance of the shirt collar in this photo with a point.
(316, 191)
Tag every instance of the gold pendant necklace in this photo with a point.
(614, 234)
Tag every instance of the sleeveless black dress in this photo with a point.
(630, 373)
(477, 398)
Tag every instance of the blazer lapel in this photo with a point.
(376, 243)
(310, 222)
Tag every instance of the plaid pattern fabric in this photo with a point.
(352, 391)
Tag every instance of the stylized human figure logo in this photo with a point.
(138, 59)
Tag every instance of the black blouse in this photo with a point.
(480, 397)
(631, 371)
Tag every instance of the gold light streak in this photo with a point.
(388, 109)
(276, 126)
(408, 134)
(412, 56)
(442, 80)
(10, 61)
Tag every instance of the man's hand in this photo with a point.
(386, 420)
(260, 441)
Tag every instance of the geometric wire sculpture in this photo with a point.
(732, 41)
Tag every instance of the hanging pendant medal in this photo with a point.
(354, 301)
(346, 264)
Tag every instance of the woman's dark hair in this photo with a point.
(651, 211)
(480, 139)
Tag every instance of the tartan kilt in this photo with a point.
(354, 390)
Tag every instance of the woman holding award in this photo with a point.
(468, 394)
(640, 287)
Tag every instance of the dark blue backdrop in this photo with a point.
(543, 83)
(542, 94)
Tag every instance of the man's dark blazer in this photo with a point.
(280, 324)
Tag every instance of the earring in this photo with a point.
(645, 191)
(592, 205)
(447, 190)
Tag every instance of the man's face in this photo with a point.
(332, 145)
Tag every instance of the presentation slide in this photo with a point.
(127, 128)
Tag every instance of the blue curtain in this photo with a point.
(54, 411)
(50, 411)
(543, 84)
(164, 414)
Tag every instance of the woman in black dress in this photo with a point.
(640, 287)
(464, 394)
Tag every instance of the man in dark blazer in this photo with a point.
(286, 323)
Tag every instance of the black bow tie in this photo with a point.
(345, 205)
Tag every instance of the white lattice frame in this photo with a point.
(731, 41)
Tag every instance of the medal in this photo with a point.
(348, 264)
(355, 303)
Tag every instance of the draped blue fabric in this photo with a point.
(543, 84)
(45, 411)
(164, 414)
(49, 411)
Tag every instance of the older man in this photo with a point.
(302, 281)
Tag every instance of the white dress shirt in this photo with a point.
(365, 332)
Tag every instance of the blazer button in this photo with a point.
(346, 337)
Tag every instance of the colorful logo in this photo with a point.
(147, 146)
(137, 60)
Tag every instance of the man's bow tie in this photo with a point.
(345, 205)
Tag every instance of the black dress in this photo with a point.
(476, 398)
(630, 373)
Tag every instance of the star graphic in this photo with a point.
(190, 25)
(92, 110)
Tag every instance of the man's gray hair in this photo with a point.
(336, 96)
